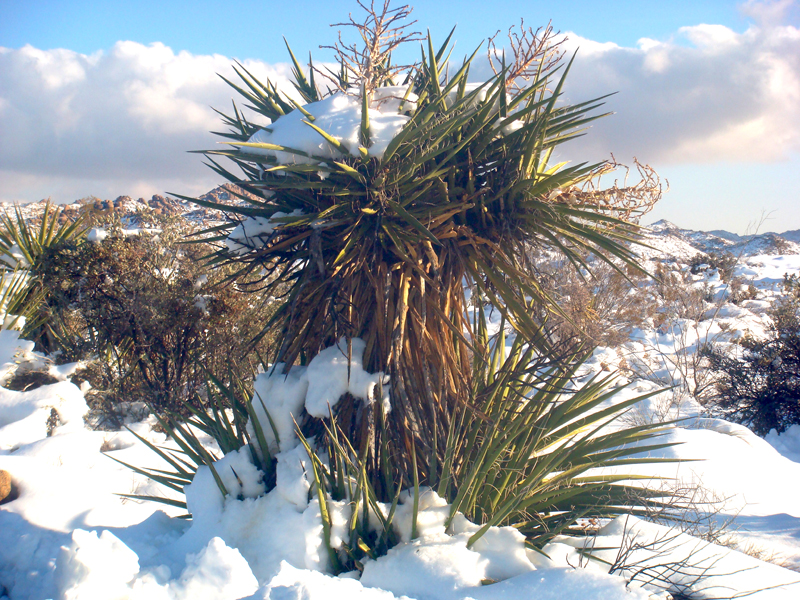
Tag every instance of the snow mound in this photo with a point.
(339, 116)
(280, 397)
(103, 568)
(25, 415)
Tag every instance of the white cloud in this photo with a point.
(122, 121)
(709, 94)
(767, 12)
(112, 122)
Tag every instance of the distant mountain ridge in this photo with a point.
(663, 236)
(719, 240)
(132, 211)
(792, 236)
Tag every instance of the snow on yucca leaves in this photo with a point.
(381, 195)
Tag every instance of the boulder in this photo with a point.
(5, 485)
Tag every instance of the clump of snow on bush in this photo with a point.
(338, 115)
(239, 475)
(331, 374)
(502, 547)
(294, 476)
(283, 395)
(316, 387)
(433, 511)
(201, 303)
(97, 234)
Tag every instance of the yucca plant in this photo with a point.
(535, 458)
(379, 246)
(540, 457)
(18, 305)
(532, 450)
(227, 411)
(23, 244)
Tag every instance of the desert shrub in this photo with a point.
(148, 317)
(741, 290)
(675, 295)
(724, 262)
(678, 307)
(762, 388)
(791, 286)
(599, 308)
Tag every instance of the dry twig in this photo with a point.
(533, 53)
(624, 201)
(369, 61)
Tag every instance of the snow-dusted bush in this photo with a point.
(762, 388)
(724, 262)
(148, 317)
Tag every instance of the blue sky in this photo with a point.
(105, 98)
(253, 29)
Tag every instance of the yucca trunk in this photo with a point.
(406, 317)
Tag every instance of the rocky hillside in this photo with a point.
(134, 212)
(664, 237)
(684, 243)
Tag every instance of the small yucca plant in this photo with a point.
(22, 246)
(379, 246)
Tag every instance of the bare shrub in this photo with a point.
(676, 296)
(599, 308)
(148, 317)
(680, 309)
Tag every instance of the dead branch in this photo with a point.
(533, 53)
(626, 202)
(368, 61)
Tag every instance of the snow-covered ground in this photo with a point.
(67, 533)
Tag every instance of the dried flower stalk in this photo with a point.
(626, 202)
(533, 52)
(368, 62)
